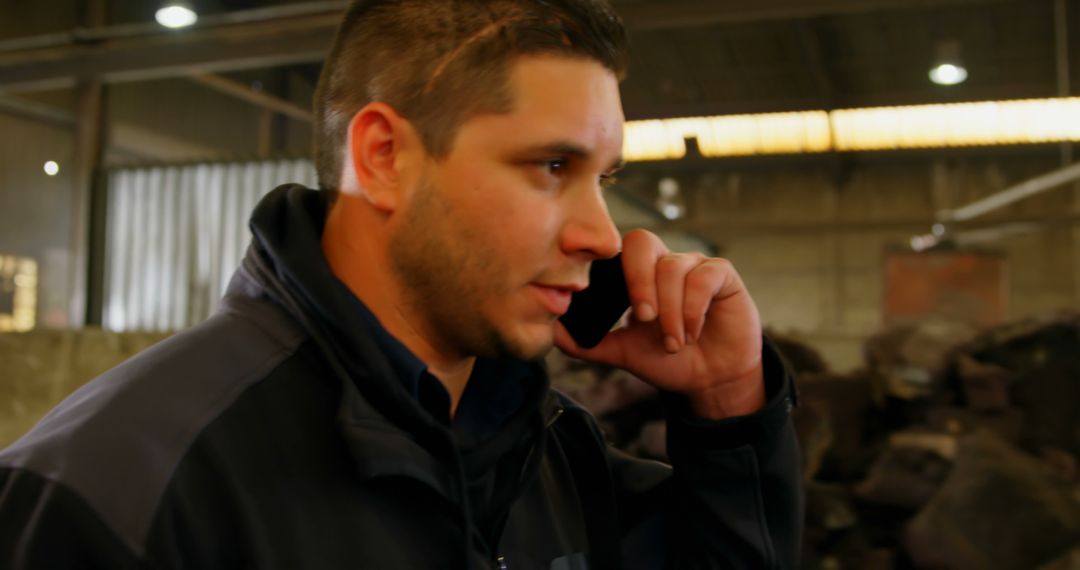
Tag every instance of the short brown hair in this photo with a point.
(440, 62)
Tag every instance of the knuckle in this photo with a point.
(699, 279)
(634, 237)
(721, 262)
(710, 266)
(668, 259)
(667, 265)
(715, 268)
(682, 260)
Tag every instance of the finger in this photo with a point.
(641, 251)
(713, 278)
(671, 272)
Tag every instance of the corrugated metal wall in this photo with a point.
(177, 233)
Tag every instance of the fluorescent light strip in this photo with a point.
(886, 128)
(733, 135)
(958, 125)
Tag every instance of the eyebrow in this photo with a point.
(580, 152)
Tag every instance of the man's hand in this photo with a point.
(694, 329)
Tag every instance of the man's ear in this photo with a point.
(377, 137)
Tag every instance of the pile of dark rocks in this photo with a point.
(951, 448)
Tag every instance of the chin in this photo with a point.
(528, 344)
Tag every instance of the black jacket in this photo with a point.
(275, 435)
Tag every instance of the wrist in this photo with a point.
(741, 396)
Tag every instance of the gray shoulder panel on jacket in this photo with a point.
(117, 440)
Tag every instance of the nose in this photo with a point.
(589, 230)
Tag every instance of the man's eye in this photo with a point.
(554, 166)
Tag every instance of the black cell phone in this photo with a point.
(594, 310)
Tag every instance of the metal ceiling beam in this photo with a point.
(137, 142)
(275, 39)
(90, 35)
(695, 13)
(1014, 193)
(226, 48)
(259, 98)
(36, 112)
(663, 110)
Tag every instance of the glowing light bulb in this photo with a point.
(671, 211)
(51, 168)
(668, 187)
(948, 74)
(176, 16)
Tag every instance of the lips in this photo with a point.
(556, 300)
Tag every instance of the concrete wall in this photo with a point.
(805, 241)
(35, 209)
(40, 368)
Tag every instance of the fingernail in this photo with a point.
(645, 312)
(671, 344)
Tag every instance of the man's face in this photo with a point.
(497, 234)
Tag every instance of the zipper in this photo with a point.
(500, 561)
(555, 414)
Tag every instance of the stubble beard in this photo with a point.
(446, 273)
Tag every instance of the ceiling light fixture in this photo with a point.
(948, 74)
(51, 168)
(176, 15)
(948, 70)
(951, 125)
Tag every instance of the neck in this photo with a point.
(356, 252)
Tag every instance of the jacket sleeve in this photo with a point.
(43, 524)
(734, 496)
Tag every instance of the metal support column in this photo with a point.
(96, 234)
(88, 151)
(89, 147)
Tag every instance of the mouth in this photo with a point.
(555, 298)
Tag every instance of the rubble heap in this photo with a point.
(951, 448)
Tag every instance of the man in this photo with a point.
(369, 394)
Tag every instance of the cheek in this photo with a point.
(527, 236)
(514, 215)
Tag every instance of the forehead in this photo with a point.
(555, 99)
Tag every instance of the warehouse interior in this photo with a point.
(895, 180)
